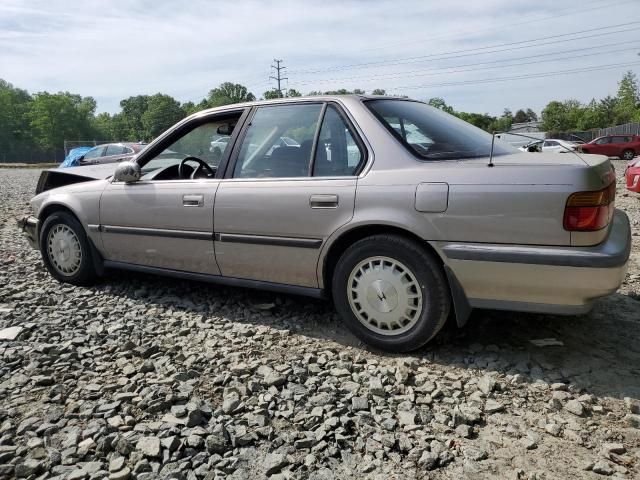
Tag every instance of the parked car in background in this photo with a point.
(111, 153)
(625, 147)
(549, 145)
(632, 175)
(414, 215)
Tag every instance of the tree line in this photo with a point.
(42, 121)
(567, 115)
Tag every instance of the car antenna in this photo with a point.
(493, 141)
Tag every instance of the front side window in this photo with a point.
(431, 134)
(197, 144)
(337, 153)
(278, 142)
(603, 140)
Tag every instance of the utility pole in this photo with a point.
(278, 76)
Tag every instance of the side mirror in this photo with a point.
(127, 172)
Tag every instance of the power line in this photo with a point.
(478, 65)
(278, 76)
(520, 77)
(478, 50)
(560, 13)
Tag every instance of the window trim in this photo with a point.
(235, 151)
(185, 127)
(407, 146)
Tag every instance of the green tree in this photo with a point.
(132, 110)
(438, 102)
(227, 93)
(15, 133)
(270, 94)
(520, 116)
(531, 116)
(628, 98)
(162, 112)
(379, 91)
(480, 120)
(62, 116)
(554, 117)
(292, 92)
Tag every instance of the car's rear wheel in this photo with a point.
(391, 292)
(65, 249)
(628, 154)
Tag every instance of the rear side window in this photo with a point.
(431, 134)
(94, 152)
(115, 150)
(337, 153)
(620, 139)
(278, 142)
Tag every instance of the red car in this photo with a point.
(632, 175)
(624, 146)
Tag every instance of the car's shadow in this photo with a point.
(600, 352)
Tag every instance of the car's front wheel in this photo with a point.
(628, 154)
(391, 292)
(65, 249)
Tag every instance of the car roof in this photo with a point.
(286, 100)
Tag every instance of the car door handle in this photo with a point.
(193, 200)
(323, 201)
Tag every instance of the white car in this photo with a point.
(549, 145)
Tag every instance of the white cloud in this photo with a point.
(114, 49)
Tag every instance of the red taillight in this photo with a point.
(590, 211)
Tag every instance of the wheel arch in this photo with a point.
(54, 206)
(461, 307)
(338, 246)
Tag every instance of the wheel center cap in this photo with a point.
(382, 296)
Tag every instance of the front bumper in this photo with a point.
(560, 280)
(29, 225)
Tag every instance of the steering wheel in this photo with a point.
(202, 165)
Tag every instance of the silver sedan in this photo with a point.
(402, 214)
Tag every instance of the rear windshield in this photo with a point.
(432, 134)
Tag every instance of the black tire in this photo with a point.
(426, 269)
(85, 273)
(628, 154)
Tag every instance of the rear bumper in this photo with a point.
(29, 225)
(560, 280)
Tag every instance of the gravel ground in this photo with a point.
(142, 377)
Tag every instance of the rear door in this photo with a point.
(618, 144)
(602, 146)
(281, 199)
(114, 154)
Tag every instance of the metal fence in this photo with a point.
(29, 154)
(626, 129)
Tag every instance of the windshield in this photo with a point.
(432, 134)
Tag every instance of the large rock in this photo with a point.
(149, 446)
(274, 462)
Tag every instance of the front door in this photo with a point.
(292, 185)
(165, 219)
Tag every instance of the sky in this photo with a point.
(479, 55)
